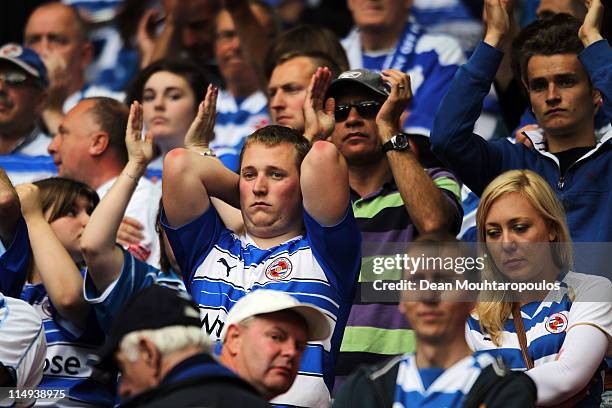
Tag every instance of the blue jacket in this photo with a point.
(586, 188)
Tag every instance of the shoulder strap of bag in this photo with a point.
(520, 332)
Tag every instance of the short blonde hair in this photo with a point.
(493, 312)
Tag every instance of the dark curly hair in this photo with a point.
(551, 36)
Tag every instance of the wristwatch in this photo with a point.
(397, 142)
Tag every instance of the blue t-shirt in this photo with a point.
(319, 267)
(135, 276)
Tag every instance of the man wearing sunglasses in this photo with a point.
(23, 83)
(23, 79)
(394, 200)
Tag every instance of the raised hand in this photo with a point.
(59, 80)
(590, 31)
(497, 21)
(140, 150)
(29, 197)
(145, 36)
(389, 117)
(318, 113)
(201, 131)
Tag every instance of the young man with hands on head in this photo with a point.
(300, 235)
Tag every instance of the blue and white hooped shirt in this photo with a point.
(582, 299)
(14, 261)
(320, 268)
(68, 350)
(237, 119)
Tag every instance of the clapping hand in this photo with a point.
(590, 31)
(318, 113)
(201, 131)
(497, 21)
(140, 150)
(389, 117)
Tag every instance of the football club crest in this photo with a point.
(557, 323)
(11, 50)
(279, 269)
(46, 307)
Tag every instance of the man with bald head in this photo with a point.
(89, 147)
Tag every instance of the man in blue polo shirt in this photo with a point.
(300, 237)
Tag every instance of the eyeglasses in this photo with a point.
(366, 109)
(13, 77)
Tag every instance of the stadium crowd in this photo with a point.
(201, 199)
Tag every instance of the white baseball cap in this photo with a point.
(264, 301)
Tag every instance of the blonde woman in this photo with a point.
(560, 336)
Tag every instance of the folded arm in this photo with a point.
(574, 368)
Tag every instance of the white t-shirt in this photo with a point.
(143, 207)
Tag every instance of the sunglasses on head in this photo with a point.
(366, 109)
(13, 77)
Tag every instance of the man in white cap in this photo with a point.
(265, 335)
(23, 83)
(23, 92)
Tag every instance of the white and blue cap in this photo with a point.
(263, 301)
(26, 59)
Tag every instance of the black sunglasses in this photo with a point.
(366, 109)
(13, 78)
